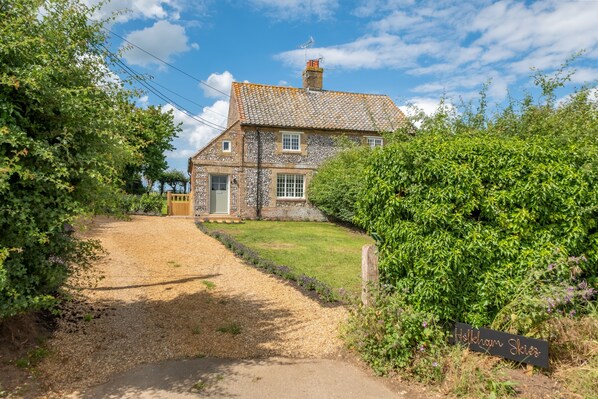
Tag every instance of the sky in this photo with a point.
(413, 51)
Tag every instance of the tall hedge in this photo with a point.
(462, 219)
(335, 188)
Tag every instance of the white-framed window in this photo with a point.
(375, 142)
(291, 141)
(289, 185)
(226, 146)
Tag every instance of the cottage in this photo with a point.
(276, 137)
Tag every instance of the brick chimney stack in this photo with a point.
(312, 75)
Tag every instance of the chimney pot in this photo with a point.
(313, 75)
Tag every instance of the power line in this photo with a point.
(206, 108)
(135, 75)
(167, 63)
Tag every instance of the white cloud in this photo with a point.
(427, 105)
(218, 85)
(546, 33)
(464, 44)
(163, 39)
(297, 9)
(126, 10)
(143, 101)
(196, 134)
(585, 75)
(371, 52)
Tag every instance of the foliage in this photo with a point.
(468, 374)
(173, 178)
(390, 334)
(574, 352)
(335, 188)
(461, 220)
(491, 219)
(553, 292)
(323, 290)
(150, 132)
(66, 133)
(328, 252)
(151, 203)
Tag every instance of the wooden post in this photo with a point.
(168, 204)
(191, 207)
(369, 272)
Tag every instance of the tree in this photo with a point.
(150, 134)
(63, 144)
(174, 178)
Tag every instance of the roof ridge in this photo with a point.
(302, 89)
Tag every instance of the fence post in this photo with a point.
(168, 204)
(191, 211)
(369, 272)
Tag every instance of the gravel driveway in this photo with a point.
(171, 292)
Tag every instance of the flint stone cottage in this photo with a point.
(276, 137)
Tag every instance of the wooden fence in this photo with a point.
(179, 204)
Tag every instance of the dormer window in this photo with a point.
(291, 141)
(226, 146)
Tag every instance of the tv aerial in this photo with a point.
(308, 44)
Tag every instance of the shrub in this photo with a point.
(546, 294)
(334, 189)
(151, 203)
(391, 334)
(462, 220)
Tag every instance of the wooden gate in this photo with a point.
(179, 204)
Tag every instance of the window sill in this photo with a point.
(284, 199)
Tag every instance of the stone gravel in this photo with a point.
(170, 292)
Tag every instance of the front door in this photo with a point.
(219, 194)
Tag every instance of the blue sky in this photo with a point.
(413, 51)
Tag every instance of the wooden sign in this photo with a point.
(510, 346)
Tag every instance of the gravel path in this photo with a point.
(168, 290)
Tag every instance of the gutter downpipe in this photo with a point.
(258, 205)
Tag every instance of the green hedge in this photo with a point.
(335, 188)
(151, 204)
(462, 220)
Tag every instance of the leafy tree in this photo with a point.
(65, 135)
(150, 132)
(175, 178)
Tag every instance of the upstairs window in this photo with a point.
(226, 147)
(291, 142)
(374, 142)
(289, 186)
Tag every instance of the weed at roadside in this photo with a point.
(232, 328)
(33, 357)
(209, 285)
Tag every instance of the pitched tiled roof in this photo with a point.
(263, 105)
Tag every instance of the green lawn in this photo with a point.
(328, 252)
